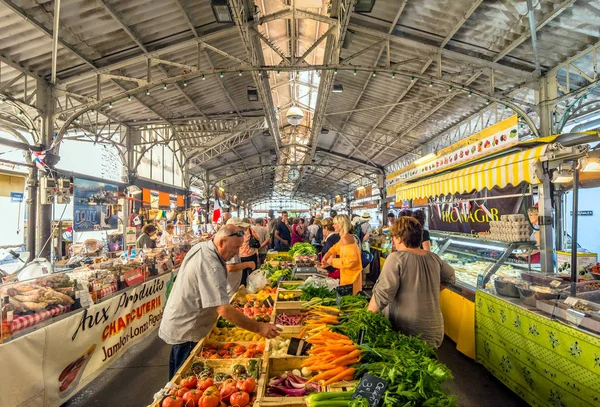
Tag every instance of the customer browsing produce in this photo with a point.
(349, 260)
(199, 297)
(408, 289)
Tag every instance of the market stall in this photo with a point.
(65, 328)
(330, 350)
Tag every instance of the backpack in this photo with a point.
(358, 231)
(319, 235)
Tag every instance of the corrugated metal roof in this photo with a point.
(372, 121)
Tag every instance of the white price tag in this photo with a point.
(575, 317)
(555, 283)
(570, 301)
(86, 299)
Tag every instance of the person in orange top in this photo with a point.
(345, 255)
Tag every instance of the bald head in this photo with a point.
(226, 241)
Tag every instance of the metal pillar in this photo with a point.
(545, 224)
(574, 230)
(45, 102)
(545, 97)
(558, 220)
(32, 203)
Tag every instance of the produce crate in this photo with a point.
(292, 310)
(219, 366)
(220, 335)
(285, 255)
(342, 386)
(220, 345)
(283, 285)
(289, 303)
(275, 368)
(292, 332)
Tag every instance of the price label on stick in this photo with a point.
(268, 302)
(361, 336)
(372, 388)
(298, 347)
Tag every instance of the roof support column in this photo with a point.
(545, 100)
(45, 102)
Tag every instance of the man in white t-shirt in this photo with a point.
(235, 266)
(199, 297)
(263, 236)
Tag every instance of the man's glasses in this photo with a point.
(239, 233)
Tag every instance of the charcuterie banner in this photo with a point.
(467, 213)
(62, 358)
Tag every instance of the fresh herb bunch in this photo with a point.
(414, 379)
(352, 303)
(309, 292)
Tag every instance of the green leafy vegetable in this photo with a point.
(309, 292)
(302, 249)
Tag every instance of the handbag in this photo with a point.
(254, 243)
(365, 257)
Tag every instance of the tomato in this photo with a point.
(212, 390)
(172, 401)
(227, 390)
(240, 399)
(248, 385)
(205, 383)
(189, 382)
(229, 382)
(178, 391)
(190, 399)
(209, 401)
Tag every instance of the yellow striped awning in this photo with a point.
(511, 169)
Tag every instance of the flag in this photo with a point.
(217, 211)
(38, 158)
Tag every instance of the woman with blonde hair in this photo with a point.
(408, 289)
(345, 255)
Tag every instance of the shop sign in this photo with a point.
(468, 213)
(51, 364)
(92, 205)
(16, 197)
(364, 192)
(584, 213)
(490, 140)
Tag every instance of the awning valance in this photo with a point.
(511, 169)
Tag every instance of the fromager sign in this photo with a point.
(468, 213)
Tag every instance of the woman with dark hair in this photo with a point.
(331, 237)
(297, 231)
(420, 216)
(408, 289)
(146, 241)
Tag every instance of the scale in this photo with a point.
(303, 273)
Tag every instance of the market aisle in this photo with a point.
(473, 384)
(132, 380)
(143, 370)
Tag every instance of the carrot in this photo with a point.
(327, 366)
(302, 333)
(327, 374)
(350, 356)
(340, 376)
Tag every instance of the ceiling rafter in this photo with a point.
(381, 48)
(113, 13)
(555, 13)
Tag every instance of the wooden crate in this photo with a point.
(276, 367)
(289, 310)
(342, 386)
(287, 303)
(293, 332)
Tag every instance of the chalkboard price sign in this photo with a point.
(344, 290)
(268, 302)
(298, 347)
(372, 388)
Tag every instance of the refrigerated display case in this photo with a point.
(477, 261)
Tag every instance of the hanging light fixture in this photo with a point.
(221, 11)
(294, 115)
